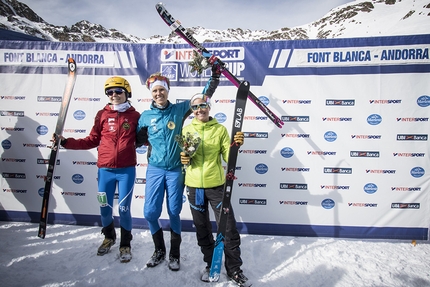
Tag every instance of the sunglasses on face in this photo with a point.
(199, 106)
(116, 91)
(155, 78)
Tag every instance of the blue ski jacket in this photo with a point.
(162, 126)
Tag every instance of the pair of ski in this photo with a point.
(242, 94)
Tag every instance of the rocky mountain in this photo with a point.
(354, 19)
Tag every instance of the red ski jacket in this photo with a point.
(114, 133)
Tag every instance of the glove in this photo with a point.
(239, 138)
(142, 137)
(56, 137)
(216, 70)
(185, 159)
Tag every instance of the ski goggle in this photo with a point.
(199, 106)
(157, 78)
(116, 91)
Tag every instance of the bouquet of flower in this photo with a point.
(199, 63)
(189, 144)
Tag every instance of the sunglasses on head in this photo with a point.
(199, 106)
(116, 91)
(155, 78)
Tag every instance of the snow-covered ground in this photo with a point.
(67, 257)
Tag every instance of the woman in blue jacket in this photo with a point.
(158, 127)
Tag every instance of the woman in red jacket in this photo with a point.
(114, 133)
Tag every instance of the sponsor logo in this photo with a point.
(402, 188)
(411, 137)
(385, 101)
(71, 193)
(33, 145)
(335, 187)
(301, 119)
(46, 114)
(408, 154)
(87, 99)
(336, 119)
(14, 129)
(12, 113)
(364, 153)
(14, 98)
(287, 152)
(75, 162)
(253, 151)
(319, 152)
(255, 118)
(142, 150)
(265, 100)
(423, 101)
(290, 202)
(330, 136)
(186, 55)
(263, 135)
(141, 165)
(140, 180)
(252, 184)
(338, 170)
(417, 172)
(79, 115)
(252, 201)
(220, 117)
(225, 101)
(170, 71)
(77, 178)
(42, 130)
(46, 161)
(370, 188)
(381, 171)
(366, 137)
(412, 119)
(400, 205)
(6, 144)
(12, 159)
(297, 169)
(374, 119)
(300, 186)
(14, 190)
(13, 175)
(49, 99)
(261, 168)
(297, 102)
(303, 136)
(76, 131)
(347, 103)
(360, 204)
(328, 203)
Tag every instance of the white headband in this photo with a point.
(159, 83)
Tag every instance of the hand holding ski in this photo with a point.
(211, 59)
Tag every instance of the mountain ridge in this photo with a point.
(354, 19)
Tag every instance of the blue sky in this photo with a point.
(139, 18)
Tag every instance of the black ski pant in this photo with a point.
(204, 233)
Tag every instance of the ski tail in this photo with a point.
(177, 27)
(67, 95)
(239, 113)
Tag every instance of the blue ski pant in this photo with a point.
(204, 233)
(108, 181)
(160, 182)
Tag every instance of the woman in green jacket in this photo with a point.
(204, 180)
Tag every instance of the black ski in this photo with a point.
(239, 112)
(67, 95)
(211, 59)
